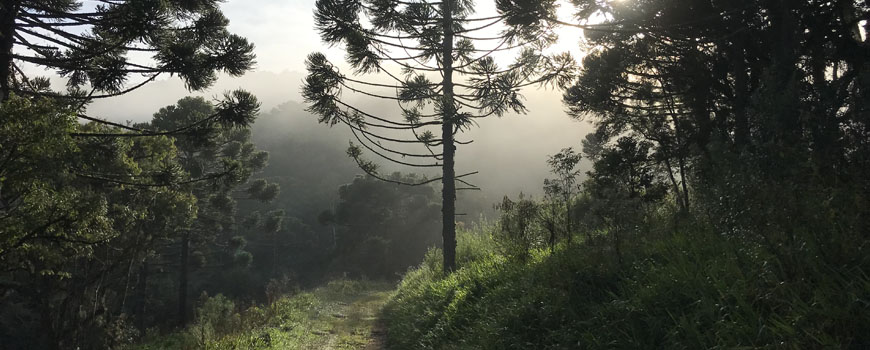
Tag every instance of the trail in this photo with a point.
(377, 337)
(341, 319)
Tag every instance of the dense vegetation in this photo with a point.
(693, 288)
(725, 205)
(338, 315)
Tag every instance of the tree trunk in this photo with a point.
(182, 280)
(678, 196)
(681, 161)
(617, 244)
(143, 296)
(569, 222)
(448, 192)
(8, 11)
(275, 254)
(785, 61)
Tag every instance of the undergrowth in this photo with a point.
(689, 289)
(338, 315)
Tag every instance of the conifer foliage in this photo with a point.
(101, 47)
(108, 48)
(440, 62)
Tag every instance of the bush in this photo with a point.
(519, 229)
(692, 289)
(215, 317)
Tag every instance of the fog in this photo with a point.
(510, 152)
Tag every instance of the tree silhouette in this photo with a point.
(115, 47)
(699, 77)
(104, 45)
(561, 190)
(425, 40)
(227, 156)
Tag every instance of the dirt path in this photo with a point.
(348, 320)
(377, 337)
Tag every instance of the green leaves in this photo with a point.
(418, 90)
(499, 94)
(337, 19)
(338, 23)
(238, 109)
(527, 19)
(262, 190)
(185, 38)
(321, 87)
(63, 197)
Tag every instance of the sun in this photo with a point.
(569, 37)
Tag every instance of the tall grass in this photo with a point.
(338, 315)
(692, 289)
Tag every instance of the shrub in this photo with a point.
(692, 289)
(519, 228)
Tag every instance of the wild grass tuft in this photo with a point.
(691, 289)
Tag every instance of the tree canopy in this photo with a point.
(100, 47)
(410, 43)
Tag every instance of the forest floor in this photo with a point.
(340, 315)
(346, 320)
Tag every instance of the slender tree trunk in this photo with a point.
(681, 160)
(448, 194)
(8, 11)
(617, 244)
(182, 279)
(683, 180)
(143, 296)
(785, 61)
(275, 254)
(678, 196)
(551, 226)
(569, 224)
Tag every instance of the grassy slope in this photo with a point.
(676, 292)
(339, 315)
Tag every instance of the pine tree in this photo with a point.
(227, 158)
(425, 39)
(101, 47)
(695, 77)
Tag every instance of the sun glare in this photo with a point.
(569, 37)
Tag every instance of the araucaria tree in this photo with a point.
(411, 42)
(100, 48)
(82, 206)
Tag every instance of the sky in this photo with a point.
(514, 146)
(283, 30)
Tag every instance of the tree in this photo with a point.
(425, 39)
(71, 238)
(623, 181)
(385, 228)
(84, 204)
(100, 47)
(696, 77)
(272, 225)
(518, 226)
(223, 155)
(92, 48)
(562, 189)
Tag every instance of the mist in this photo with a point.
(510, 152)
(404, 174)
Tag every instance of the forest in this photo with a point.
(434, 174)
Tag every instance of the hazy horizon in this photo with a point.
(510, 152)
